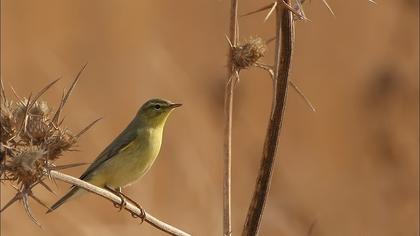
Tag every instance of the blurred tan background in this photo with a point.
(352, 167)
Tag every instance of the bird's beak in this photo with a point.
(175, 105)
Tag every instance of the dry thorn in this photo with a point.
(229, 42)
(269, 69)
(40, 93)
(46, 187)
(24, 120)
(14, 199)
(22, 195)
(28, 209)
(64, 100)
(270, 40)
(56, 116)
(233, 80)
(291, 9)
(270, 12)
(17, 196)
(87, 128)
(302, 95)
(259, 9)
(271, 7)
(39, 201)
(2, 93)
(68, 166)
(48, 174)
(236, 31)
(299, 7)
(20, 100)
(328, 6)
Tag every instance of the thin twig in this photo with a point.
(232, 77)
(116, 199)
(284, 49)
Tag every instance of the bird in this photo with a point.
(130, 155)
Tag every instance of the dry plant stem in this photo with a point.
(230, 85)
(116, 199)
(284, 49)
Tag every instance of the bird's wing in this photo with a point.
(123, 140)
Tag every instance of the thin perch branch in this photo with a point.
(116, 199)
(284, 50)
(232, 77)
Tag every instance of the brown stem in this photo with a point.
(116, 199)
(284, 49)
(230, 84)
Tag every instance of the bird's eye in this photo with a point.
(157, 106)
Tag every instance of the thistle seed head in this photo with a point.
(248, 52)
(32, 138)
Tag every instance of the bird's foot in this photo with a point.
(123, 203)
(142, 214)
(120, 195)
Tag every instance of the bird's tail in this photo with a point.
(66, 197)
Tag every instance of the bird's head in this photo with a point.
(155, 111)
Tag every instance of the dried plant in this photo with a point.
(245, 55)
(248, 53)
(31, 140)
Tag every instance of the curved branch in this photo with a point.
(114, 198)
(284, 50)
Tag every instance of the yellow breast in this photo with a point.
(132, 162)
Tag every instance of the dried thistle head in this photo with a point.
(59, 142)
(248, 52)
(7, 124)
(36, 120)
(32, 138)
(26, 165)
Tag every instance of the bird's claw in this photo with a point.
(142, 214)
(122, 204)
(120, 195)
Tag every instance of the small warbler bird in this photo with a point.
(131, 154)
